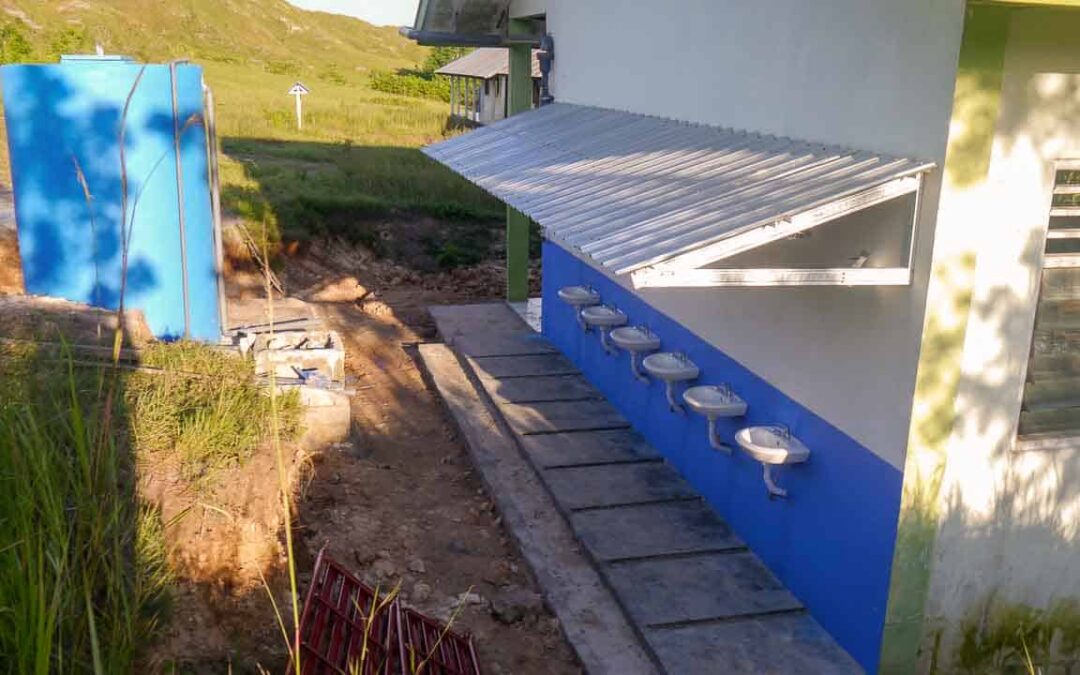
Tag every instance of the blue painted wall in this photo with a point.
(831, 541)
(60, 115)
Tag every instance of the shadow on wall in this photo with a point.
(71, 241)
(84, 204)
(1005, 523)
(1007, 529)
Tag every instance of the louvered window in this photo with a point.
(1050, 416)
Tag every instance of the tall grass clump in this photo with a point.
(205, 405)
(83, 574)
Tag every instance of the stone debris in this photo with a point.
(516, 604)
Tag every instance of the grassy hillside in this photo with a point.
(356, 163)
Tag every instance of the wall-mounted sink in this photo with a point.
(637, 340)
(714, 402)
(772, 445)
(578, 297)
(671, 367)
(604, 318)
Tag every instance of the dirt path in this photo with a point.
(402, 502)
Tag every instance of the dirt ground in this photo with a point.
(11, 280)
(399, 504)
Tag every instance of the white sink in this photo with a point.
(579, 296)
(714, 401)
(603, 316)
(772, 445)
(637, 340)
(671, 367)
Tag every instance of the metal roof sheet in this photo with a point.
(485, 63)
(630, 191)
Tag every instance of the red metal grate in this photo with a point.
(429, 648)
(340, 635)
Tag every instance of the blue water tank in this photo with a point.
(65, 119)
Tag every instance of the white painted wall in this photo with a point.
(1012, 520)
(873, 74)
(876, 74)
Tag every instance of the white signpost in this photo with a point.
(299, 91)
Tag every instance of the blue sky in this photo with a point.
(378, 12)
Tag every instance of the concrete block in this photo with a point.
(291, 352)
(327, 417)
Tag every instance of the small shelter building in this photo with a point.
(479, 83)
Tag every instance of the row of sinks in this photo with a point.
(770, 445)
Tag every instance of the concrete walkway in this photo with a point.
(696, 597)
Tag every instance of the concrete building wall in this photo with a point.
(876, 75)
(1009, 520)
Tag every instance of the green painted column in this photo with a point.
(519, 99)
(976, 104)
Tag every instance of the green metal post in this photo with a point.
(519, 99)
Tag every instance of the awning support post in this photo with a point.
(519, 99)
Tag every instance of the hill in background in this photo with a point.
(354, 171)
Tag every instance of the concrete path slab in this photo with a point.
(556, 416)
(502, 344)
(588, 487)
(588, 447)
(522, 366)
(476, 319)
(541, 389)
(589, 615)
(650, 530)
(704, 587)
(783, 644)
(697, 599)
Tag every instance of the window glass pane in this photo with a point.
(1063, 246)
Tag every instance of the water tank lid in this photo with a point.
(95, 58)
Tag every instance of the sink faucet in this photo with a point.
(783, 431)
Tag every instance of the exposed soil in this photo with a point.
(11, 280)
(399, 504)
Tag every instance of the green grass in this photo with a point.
(84, 574)
(83, 579)
(205, 406)
(357, 161)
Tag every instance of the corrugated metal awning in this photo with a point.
(485, 63)
(632, 192)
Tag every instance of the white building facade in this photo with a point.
(941, 408)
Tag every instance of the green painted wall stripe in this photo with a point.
(976, 105)
(517, 224)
